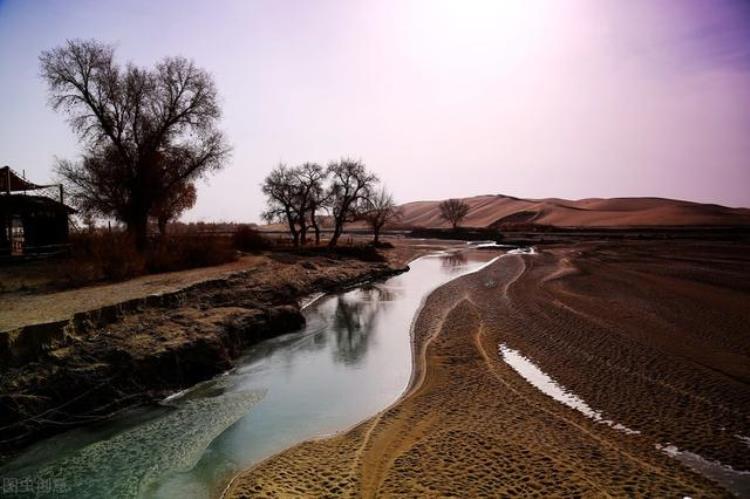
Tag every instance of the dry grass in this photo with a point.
(250, 240)
(112, 257)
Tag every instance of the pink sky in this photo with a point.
(563, 98)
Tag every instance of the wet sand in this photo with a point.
(651, 335)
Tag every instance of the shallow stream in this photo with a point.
(351, 360)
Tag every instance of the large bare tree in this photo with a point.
(351, 186)
(380, 209)
(292, 196)
(453, 211)
(145, 131)
(309, 178)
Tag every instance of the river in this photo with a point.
(352, 360)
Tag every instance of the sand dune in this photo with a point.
(489, 210)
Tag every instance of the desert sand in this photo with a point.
(492, 210)
(651, 335)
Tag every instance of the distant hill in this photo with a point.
(499, 210)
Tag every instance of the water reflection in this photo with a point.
(343, 323)
(355, 319)
(453, 261)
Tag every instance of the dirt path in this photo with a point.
(471, 426)
(22, 309)
(19, 309)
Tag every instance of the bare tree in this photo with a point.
(293, 195)
(351, 186)
(171, 207)
(380, 209)
(453, 211)
(145, 131)
(316, 203)
(309, 178)
(281, 190)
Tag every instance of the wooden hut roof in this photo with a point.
(21, 203)
(17, 183)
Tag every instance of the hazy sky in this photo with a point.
(564, 98)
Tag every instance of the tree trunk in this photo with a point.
(292, 229)
(138, 229)
(295, 235)
(315, 227)
(137, 226)
(335, 236)
(376, 234)
(162, 222)
(338, 223)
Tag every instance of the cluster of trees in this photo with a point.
(345, 191)
(148, 133)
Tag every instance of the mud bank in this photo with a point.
(97, 363)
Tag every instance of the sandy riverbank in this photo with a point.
(651, 335)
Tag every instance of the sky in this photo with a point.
(441, 98)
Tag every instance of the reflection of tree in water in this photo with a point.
(378, 294)
(453, 261)
(354, 321)
(348, 319)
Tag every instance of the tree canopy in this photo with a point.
(379, 209)
(295, 196)
(453, 211)
(180, 198)
(351, 186)
(146, 132)
(285, 200)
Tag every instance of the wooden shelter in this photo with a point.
(33, 218)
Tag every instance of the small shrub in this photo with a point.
(250, 240)
(189, 251)
(112, 256)
(363, 252)
(382, 245)
(119, 259)
(460, 234)
(107, 256)
(366, 253)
